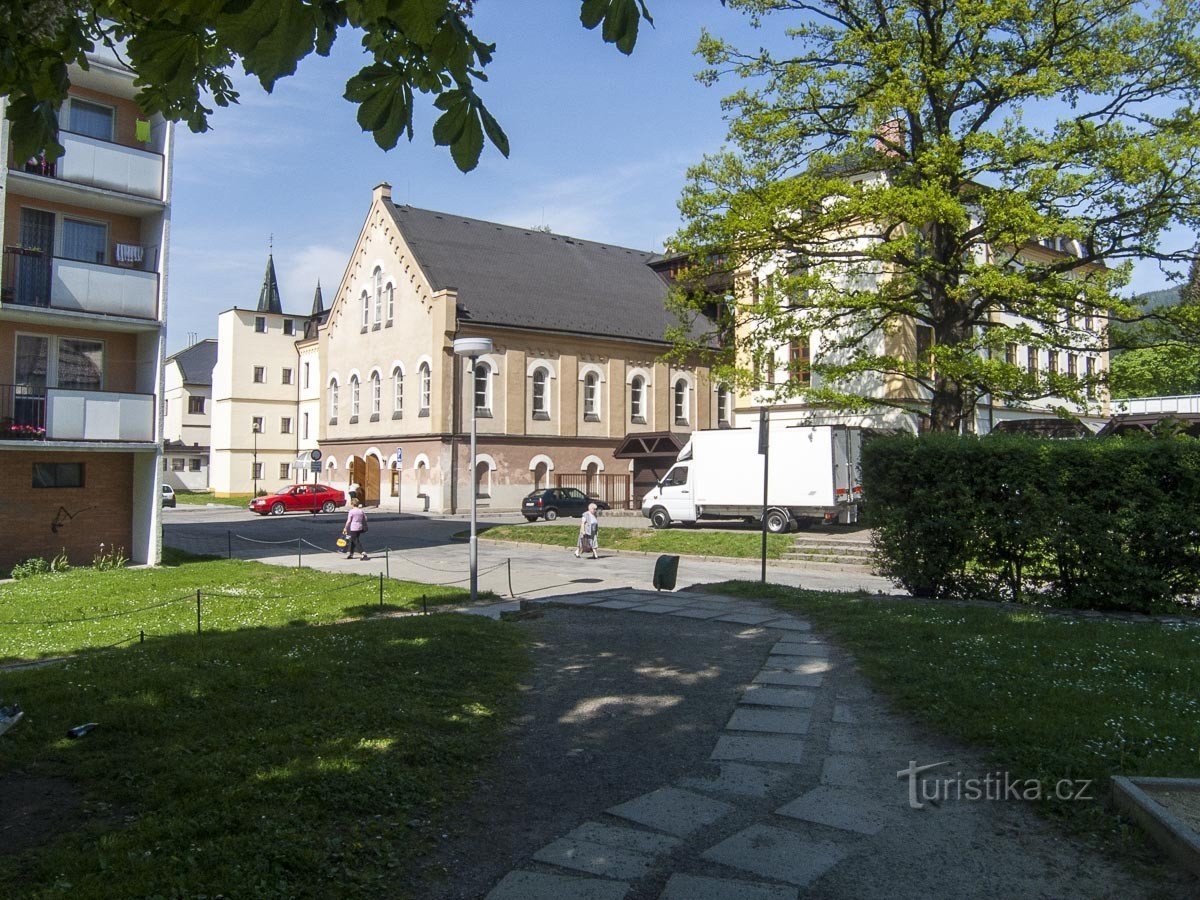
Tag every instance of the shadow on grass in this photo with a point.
(268, 761)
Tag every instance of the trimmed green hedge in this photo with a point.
(1097, 524)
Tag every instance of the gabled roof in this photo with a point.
(268, 297)
(196, 362)
(525, 278)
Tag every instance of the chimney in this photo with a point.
(891, 132)
(381, 191)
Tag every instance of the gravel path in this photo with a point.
(664, 753)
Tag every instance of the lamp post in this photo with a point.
(254, 429)
(472, 349)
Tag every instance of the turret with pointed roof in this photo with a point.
(268, 298)
(318, 306)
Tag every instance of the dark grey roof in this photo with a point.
(268, 297)
(318, 306)
(531, 279)
(196, 362)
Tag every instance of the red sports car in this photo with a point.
(299, 498)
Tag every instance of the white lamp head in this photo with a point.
(472, 346)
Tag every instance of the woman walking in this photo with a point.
(589, 530)
(356, 525)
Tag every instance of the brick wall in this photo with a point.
(99, 512)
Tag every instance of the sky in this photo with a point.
(600, 146)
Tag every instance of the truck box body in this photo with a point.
(814, 473)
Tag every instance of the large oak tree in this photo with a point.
(184, 50)
(992, 125)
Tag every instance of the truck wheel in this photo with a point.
(551, 515)
(778, 521)
(660, 518)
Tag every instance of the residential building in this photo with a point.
(574, 393)
(187, 416)
(255, 395)
(83, 286)
(309, 391)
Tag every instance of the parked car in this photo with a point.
(299, 498)
(168, 496)
(551, 503)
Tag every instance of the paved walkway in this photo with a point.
(802, 797)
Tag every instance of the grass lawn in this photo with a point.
(202, 498)
(742, 544)
(267, 762)
(1048, 697)
(234, 594)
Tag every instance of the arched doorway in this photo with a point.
(365, 473)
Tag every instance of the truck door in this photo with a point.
(677, 494)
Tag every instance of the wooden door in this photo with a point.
(370, 484)
(358, 475)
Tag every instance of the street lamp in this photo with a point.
(255, 429)
(472, 349)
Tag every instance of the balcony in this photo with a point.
(104, 164)
(33, 278)
(62, 414)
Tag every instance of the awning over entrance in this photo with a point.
(650, 444)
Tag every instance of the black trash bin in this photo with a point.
(665, 570)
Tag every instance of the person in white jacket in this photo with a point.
(589, 531)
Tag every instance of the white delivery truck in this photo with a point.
(814, 475)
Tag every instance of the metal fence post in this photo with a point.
(299, 554)
(142, 635)
(387, 561)
(229, 542)
(197, 610)
(510, 590)
(424, 605)
(380, 590)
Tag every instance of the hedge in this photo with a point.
(1109, 523)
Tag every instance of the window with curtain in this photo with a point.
(378, 295)
(376, 393)
(91, 119)
(80, 364)
(591, 397)
(391, 302)
(423, 378)
(84, 241)
(483, 388)
(354, 396)
(541, 408)
(637, 399)
(32, 363)
(333, 401)
(681, 402)
(397, 393)
(366, 310)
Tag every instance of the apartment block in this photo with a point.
(83, 284)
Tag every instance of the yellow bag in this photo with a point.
(342, 542)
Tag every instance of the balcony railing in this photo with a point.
(104, 164)
(64, 414)
(34, 278)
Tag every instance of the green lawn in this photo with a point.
(267, 762)
(85, 608)
(1047, 697)
(201, 498)
(742, 544)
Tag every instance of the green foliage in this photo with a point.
(113, 558)
(28, 568)
(949, 139)
(182, 53)
(1099, 524)
(61, 562)
(1164, 370)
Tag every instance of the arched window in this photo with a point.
(637, 400)
(483, 389)
(391, 302)
(366, 310)
(483, 480)
(354, 397)
(378, 295)
(376, 395)
(333, 401)
(397, 393)
(591, 397)
(723, 404)
(423, 387)
(541, 402)
(681, 402)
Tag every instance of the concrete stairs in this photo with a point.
(848, 551)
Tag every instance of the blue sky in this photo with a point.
(600, 146)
